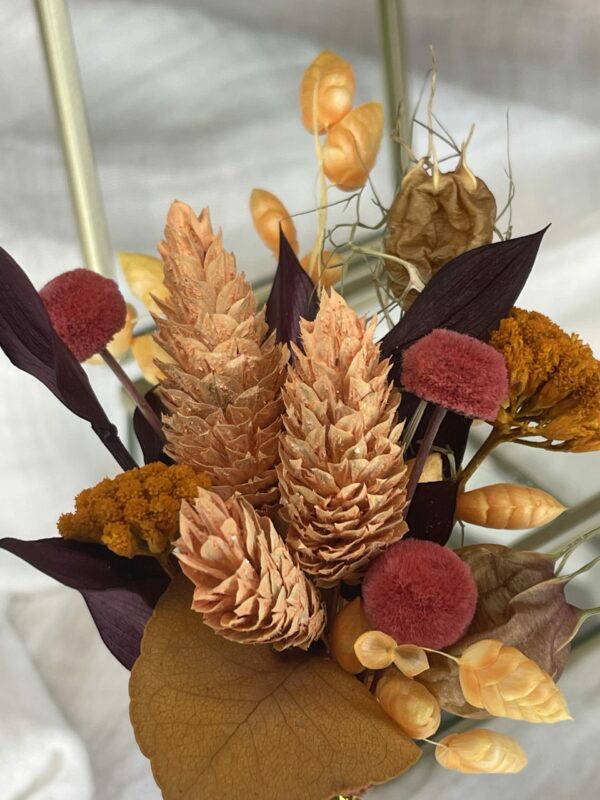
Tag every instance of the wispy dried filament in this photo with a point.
(246, 584)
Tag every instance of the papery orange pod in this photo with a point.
(411, 660)
(326, 267)
(352, 145)
(412, 707)
(375, 649)
(268, 213)
(326, 91)
(508, 506)
(506, 683)
(346, 627)
(480, 751)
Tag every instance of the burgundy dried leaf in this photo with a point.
(151, 443)
(293, 296)
(120, 593)
(471, 294)
(30, 342)
(431, 512)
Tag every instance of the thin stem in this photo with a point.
(433, 427)
(486, 448)
(164, 559)
(583, 617)
(441, 653)
(132, 391)
(565, 552)
(413, 424)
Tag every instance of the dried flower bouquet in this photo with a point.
(277, 575)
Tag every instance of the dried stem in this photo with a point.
(132, 391)
(413, 424)
(493, 440)
(433, 427)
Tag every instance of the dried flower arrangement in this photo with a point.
(302, 480)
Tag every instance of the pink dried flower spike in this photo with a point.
(457, 372)
(86, 310)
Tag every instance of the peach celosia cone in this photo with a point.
(224, 388)
(342, 474)
(247, 586)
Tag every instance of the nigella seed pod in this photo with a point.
(521, 602)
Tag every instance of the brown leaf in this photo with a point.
(222, 721)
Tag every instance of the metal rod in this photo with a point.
(391, 22)
(65, 82)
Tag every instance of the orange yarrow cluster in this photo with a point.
(554, 383)
(136, 513)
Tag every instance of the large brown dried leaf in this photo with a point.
(223, 721)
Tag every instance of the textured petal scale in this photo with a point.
(246, 584)
(223, 389)
(342, 475)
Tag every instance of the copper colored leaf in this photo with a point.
(292, 296)
(223, 721)
(120, 593)
(30, 342)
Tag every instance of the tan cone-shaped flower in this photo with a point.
(224, 387)
(247, 586)
(342, 475)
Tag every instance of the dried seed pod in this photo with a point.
(480, 751)
(508, 506)
(325, 266)
(268, 213)
(375, 649)
(520, 603)
(326, 91)
(345, 629)
(433, 219)
(412, 707)
(506, 683)
(410, 659)
(352, 145)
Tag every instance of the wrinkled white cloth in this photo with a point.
(196, 99)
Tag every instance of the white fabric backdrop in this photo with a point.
(197, 100)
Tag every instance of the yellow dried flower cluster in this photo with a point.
(136, 513)
(554, 384)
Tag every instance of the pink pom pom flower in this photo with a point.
(420, 593)
(457, 372)
(86, 310)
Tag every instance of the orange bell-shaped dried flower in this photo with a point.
(268, 214)
(351, 146)
(480, 751)
(506, 683)
(324, 267)
(326, 91)
(412, 707)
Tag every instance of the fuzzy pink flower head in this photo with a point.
(86, 310)
(420, 593)
(457, 372)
